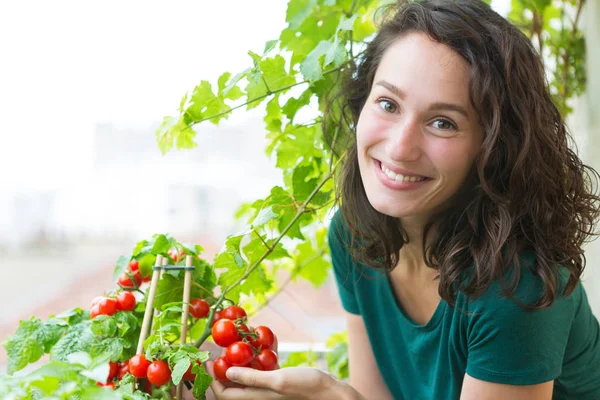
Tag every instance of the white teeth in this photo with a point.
(399, 177)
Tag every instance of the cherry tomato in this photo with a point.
(159, 373)
(199, 308)
(216, 317)
(123, 369)
(225, 333)
(107, 306)
(254, 364)
(126, 301)
(134, 265)
(110, 385)
(138, 366)
(95, 311)
(233, 313)
(265, 338)
(113, 370)
(220, 367)
(268, 359)
(239, 354)
(127, 283)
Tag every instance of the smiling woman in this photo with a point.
(457, 247)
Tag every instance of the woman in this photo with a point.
(457, 245)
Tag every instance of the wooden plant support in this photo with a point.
(187, 286)
(149, 304)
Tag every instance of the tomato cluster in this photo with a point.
(245, 346)
(132, 278)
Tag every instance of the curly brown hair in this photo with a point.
(527, 190)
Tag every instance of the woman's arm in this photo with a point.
(364, 372)
(476, 389)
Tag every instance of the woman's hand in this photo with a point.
(298, 383)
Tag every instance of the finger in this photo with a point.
(255, 378)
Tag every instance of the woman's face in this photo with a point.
(417, 135)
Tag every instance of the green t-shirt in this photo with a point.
(490, 338)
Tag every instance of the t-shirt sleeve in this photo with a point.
(510, 345)
(342, 263)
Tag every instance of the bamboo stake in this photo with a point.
(165, 261)
(149, 305)
(187, 285)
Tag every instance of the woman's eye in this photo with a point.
(443, 124)
(387, 105)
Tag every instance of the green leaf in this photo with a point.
(297, 11)
(180, 369)
(310, 264)
(79, 338)
(206, 104)
(270, 45)
(112, 348)
(201, 383)
(273, 70)
(265, 215)
(104, 325)
(292, 106)
(311, 66)
(31, 341)
(296, 359)
(120, 267)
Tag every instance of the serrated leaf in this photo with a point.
(270, 45)
(180, 369)
(29, 343)
(292, 106)
(311, 66)
(79, 338)
(274, 73)
(104, 325)
(310, 264)
(201, 383)
(297, 11)
(112, 348)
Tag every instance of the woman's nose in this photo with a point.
(404, 141)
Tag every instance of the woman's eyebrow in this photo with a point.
(435, 106)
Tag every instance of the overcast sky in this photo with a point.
(68, 64)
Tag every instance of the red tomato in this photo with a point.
(113, 370)
(123, 369)
(216, 317)
(268, 359)
(95, 311)
(225, 333)
(127, 283)
(220, 367)
(265, 338)
(138, 366)
(147, 386)
(134, 265)
(107, 306)
(126, 301)
(233, 313)
(239, 354)
(254, 364)
(159, 373)
(199, 308)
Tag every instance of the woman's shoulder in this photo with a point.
(528, 288)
